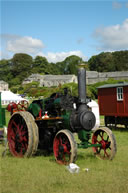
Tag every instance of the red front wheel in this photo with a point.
(65, 147)
(106, 139)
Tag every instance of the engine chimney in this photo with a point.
(82, 118)
(82, 84)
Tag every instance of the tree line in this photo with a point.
(21, 65)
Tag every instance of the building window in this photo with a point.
(119, 93)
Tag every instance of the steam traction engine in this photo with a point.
(49, 124)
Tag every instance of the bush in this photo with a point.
(33, 89)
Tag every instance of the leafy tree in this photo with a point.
(109, 61)
(70, 65)
(21, 65)
(102, 62)
(40, 65)
(120, 60)
(5, 70)
(54, 68)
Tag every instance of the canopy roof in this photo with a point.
(10, 96)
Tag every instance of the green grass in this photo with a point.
(7, 117)
(41, 174)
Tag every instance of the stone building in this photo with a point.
(50, 80)
(3, 85)
(91, 78)
(94, 77)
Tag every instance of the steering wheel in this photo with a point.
(22, 105)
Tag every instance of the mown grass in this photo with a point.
(41, 174)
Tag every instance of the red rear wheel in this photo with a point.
(106, 139)
(20, 135)
(65, 147)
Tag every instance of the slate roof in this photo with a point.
(3, 82)
(121, 84)
(57, 77)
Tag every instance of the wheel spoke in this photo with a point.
(12, 138)
(105, 153)
(14, 123)
(107, 138)
(60, 141)
(24, 145)
(102, 135)
(110, 148)
(99, 150)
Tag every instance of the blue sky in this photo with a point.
(57, 29)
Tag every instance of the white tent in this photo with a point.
(95, 109)
(8, 96)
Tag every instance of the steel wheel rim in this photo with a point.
(18, 136)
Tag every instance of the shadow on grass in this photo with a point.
(117, 128)
(121, 129)
(47, 154)
(85, 156)
(43, 153)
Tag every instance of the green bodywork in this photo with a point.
(84, 137)
(66, 119)
(34, 109)
(2, 115)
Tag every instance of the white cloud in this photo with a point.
(112, 37)
(0, 55)
(25, 45)
(80, 40)
(4, 55)
(116, 5)
(126, 5)
(60, 56)
(12, 44)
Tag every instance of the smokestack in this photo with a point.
(82, 84)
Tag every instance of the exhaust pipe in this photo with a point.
(82, 85)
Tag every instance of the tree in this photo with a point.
(109, 61)
(5, 73)
(40, 65)
(21, 65)
(70, 64)
(120, 60)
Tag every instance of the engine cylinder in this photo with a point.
(87, 120)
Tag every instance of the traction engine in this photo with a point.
(51, 124)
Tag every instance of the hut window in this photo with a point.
(119, 93)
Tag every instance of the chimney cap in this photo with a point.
(82, 65)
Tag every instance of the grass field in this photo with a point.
(41, 174)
